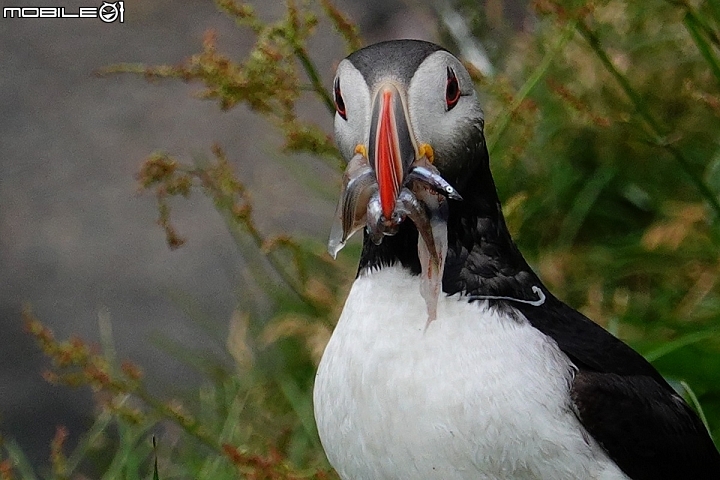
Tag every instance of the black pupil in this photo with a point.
(452, 92)
(339, 103)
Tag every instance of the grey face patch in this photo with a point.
(396, 58)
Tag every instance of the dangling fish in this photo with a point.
(423, 198)
(431, 190)
(358, 186)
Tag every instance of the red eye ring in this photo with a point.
(339, 102)
(452, 89)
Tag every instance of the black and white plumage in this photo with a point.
(507, 382)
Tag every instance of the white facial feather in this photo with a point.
(432, 122)
(355, 130)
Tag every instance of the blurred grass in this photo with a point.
(603, 122)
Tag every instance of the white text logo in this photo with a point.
(107, 12)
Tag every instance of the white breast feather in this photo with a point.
(478, 395)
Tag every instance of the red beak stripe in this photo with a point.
(388, 161)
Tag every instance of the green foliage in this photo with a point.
(602, 125)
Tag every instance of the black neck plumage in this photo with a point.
(482, 259)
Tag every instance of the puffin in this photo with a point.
(451, 359)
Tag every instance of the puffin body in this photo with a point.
(451, 360)
(479, 394)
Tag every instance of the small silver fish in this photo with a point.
(358, 187)
(374, 221)
(410, 206)
(432, 244)
(433, 180)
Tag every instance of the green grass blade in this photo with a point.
(131, 451)
(155, 467)
(88, 440)
(583, 203)
(503, 122)
(19, 460)
(300, 404)
(213, 463)
(694, 28)
(696, 404)
(715, 10)
(679, 343)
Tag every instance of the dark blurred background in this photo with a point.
(79, 244)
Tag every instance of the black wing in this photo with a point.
(622, 401)
(625, 404)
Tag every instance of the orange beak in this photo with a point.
(392, 150)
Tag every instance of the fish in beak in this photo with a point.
(391, 179)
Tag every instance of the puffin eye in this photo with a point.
(339, 102)
(452, 89)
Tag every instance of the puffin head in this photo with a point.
(409, 124)
(400, 100)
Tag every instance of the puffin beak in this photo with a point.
(392, 149)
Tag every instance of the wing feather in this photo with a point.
(646, 428)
